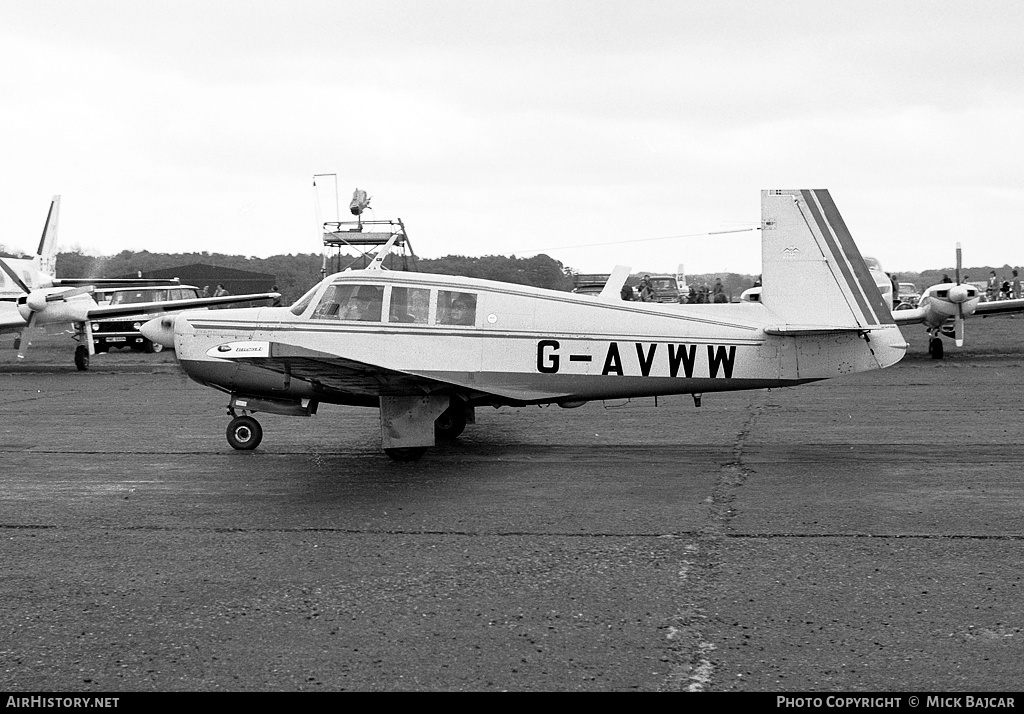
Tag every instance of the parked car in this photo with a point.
(908, 294)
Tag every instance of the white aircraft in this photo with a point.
(30, 297)
(942, 308)
(427, 349)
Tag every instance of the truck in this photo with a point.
(666, 287)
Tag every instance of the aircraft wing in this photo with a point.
(354, 377)
(113, 282)
(339, 373)
(999, 307)
(148, 308)
(11, 321)
(913, 316)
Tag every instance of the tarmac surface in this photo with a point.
(859, 534)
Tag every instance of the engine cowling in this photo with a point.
(43, 307)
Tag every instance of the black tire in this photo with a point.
(152, 347)
(935, 348)
(450, 424)
(244, 433)
(408, 453)
(82, 358)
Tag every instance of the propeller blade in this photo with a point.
(14, 276)
(958, 263)
(23, 338)
(958, 325)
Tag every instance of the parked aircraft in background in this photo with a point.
(941, 308)
(878, 276)
(944, 307)
(427, 349)
(31, 297)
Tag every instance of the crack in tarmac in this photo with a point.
(694, 672)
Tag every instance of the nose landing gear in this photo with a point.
(244, 433)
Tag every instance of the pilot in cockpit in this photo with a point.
(364, 306)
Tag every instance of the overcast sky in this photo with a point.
(515, 127)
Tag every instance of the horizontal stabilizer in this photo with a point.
(807, 330)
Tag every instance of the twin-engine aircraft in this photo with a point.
(31, 297)
(427, 349)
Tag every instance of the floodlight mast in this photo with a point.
(370, 246)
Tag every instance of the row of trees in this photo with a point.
(295, 274)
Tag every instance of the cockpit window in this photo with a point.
(409, 305)
(348, 301)
(456, 308)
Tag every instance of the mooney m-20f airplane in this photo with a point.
(30, 297)
(426, 349)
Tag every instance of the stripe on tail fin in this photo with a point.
(813, 275)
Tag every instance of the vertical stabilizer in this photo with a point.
(812, 271)
(46, 254)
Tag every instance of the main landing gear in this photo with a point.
(82, 358)
(244, 433)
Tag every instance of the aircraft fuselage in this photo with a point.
(525, 345)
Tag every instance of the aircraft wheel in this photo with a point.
(153, 347)
(450, 424)
(935, 348)
(409, 453)
(244, 433)
(82, 358)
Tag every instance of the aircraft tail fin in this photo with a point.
(46, 254)
(812, 271)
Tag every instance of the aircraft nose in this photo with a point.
(958, 293)
(160, 330)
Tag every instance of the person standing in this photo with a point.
(646, 290)
(718, 292)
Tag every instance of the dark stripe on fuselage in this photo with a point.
(839, 258)
(402, 328)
